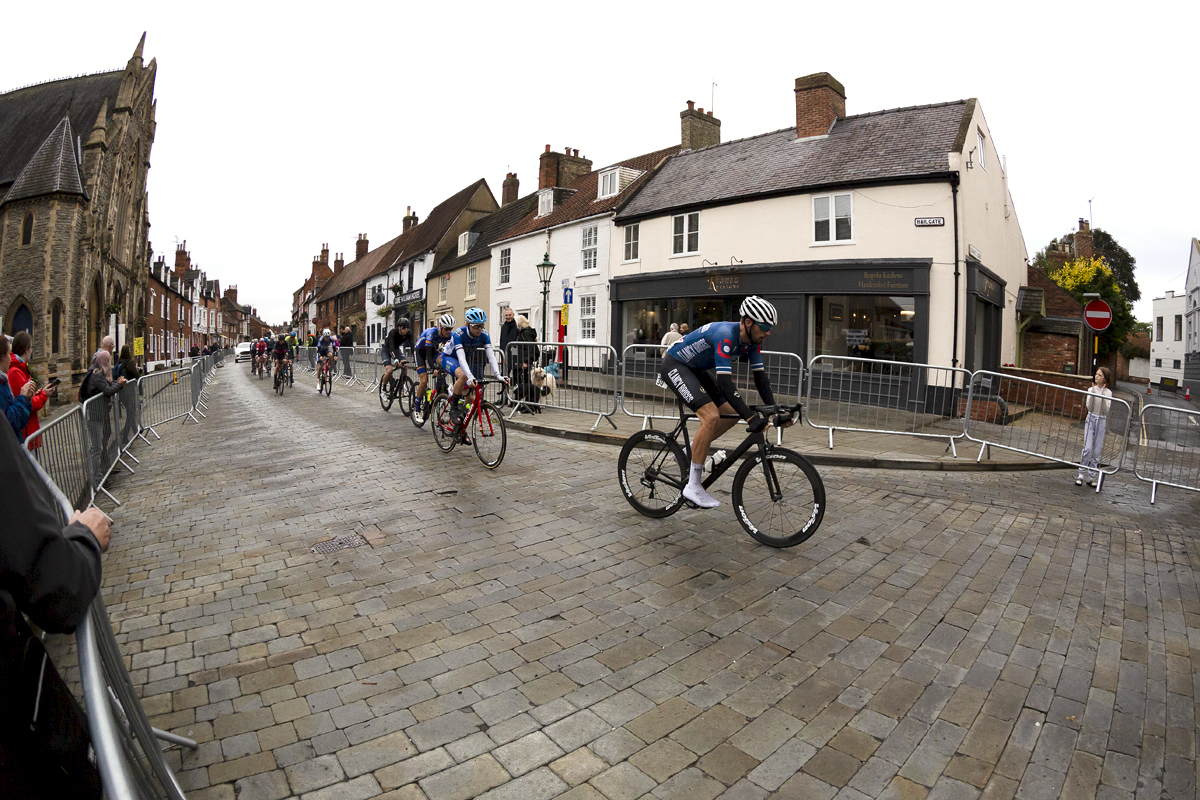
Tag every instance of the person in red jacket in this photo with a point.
(18, 375)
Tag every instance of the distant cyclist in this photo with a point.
(427, 348)
(455, 355)
(393, 347)
(688, 367)
(283, 357)
(327, 349)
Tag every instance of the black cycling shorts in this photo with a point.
(697, 389)
(425, 361)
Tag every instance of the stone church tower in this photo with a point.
(74, 219)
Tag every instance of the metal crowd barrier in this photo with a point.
(893, 397)
(586, 382)
(167, 395)
(359, 364)
(61, 449)
(1168, 451)
(128, 756)
(644, 395)
(1041, 419)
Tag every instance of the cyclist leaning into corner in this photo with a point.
(283, 356)
(468, 338)
(429, 343)
(688, 367)
(327, 348)
(393, 347)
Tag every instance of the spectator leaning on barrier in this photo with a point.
(346, 343)
(50, 572)
(99, 380)
(18, 375)
(15, 409)
(127, 368)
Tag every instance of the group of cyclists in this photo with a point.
(282, 351)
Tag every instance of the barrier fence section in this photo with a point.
(1168, 451)
(128, 756)
(1043, 420)
(166, 395)
(359, 364)
(586, 381)
(61, 449)
(893, 397)
(644, 395)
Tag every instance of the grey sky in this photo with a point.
(280, 128)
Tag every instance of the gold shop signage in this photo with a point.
(724, 283)
(883, 280)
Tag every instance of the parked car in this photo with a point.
(242, 352)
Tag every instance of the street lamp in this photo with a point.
(545, 271)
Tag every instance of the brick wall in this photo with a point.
(1049, 351)
(1059, 302)
(820, 99)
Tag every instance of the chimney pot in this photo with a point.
(547, 148)
(691, 105)
(701, 109)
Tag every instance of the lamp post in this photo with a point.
(545, 271)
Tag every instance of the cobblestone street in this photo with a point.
(525, 634)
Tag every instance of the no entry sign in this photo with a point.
(1097, 315)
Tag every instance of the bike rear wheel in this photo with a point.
(387, 393)
(488, 435)
(652, 471)
(404, 393)
(442, 423)
(779, 500)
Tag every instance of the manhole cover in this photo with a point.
(340, 543)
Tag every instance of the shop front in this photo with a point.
(985, 317)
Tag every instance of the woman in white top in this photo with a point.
(1094, 425)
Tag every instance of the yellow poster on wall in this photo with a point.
(139, 346)
(563, 316)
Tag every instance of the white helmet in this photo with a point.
(325, 332)
(446, 321)
(759, 310)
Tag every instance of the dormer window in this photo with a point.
(464, 242)
(608, 184)
(545, 202)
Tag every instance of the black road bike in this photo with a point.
(778, 495)
(397, 386)
(283, 377)
(423, 406)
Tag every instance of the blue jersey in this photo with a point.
(712, 346)
(430, 338)
(462, 338)
(326, 342)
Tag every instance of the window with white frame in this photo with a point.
(464, 242)
(833, 218)
(443, 288)
(587, 316)
(685, 233)
(1158, 329)
(588, 247)
(545, 202)
(980, 152)
(505, 266)
(608, 184)
(472, 276)
(631, 242)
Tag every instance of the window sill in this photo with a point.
(632, 261)
(587, 272)
(684, 255)
(504, 286)
(841, 243)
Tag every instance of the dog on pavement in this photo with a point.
(545, 383)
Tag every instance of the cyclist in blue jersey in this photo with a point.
(428, 345)
(688, 367)
(327, 350)
(463, 342)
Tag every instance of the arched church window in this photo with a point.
(27, 229)
(22, 320)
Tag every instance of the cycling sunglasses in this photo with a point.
(762, 326)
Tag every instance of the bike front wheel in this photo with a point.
(404, 393)
(488, 435)
(328, 384)
(442, 422)
(652, 471)
(387, 393)
(779, 499)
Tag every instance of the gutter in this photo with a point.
(954, 178)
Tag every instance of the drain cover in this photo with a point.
(340, 543)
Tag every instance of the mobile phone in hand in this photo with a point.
(53, 382)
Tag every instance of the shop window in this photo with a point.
(685, 234)
(27, 229)
(863, 326)
(588, 247)
(587, 317)
(631, 242)
(833, 218)
(505, 266)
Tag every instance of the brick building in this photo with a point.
(1051, 334)
(74, 156)
(168, 315)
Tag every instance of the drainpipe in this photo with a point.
(954, 178)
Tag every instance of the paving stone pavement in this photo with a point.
(524, 633)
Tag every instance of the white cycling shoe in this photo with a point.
(697, 495)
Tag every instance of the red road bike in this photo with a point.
(482, 425)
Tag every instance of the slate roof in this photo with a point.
(490, 229)
(884, 145)
(1031, 301)
(356, 272)
(52, 170)
(583, 202)
(30, 114)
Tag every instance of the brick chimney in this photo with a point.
(410, 219)
(183, 259)
(338, 263)
(508, 192)
(820, 100)
(361, 247)
(698, 129)
(325, 254)
(231, 293)
(560, 169)
(1083, 240)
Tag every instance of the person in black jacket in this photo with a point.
(525, 358)
(99, 380)
(508, 333)
(50, 572)
(394, 344)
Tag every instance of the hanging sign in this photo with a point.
(139, 347)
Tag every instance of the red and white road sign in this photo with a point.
(1097, 315)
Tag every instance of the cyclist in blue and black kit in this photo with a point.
(455, 355)
(688, 367)
(327, 349)
(427, 348)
